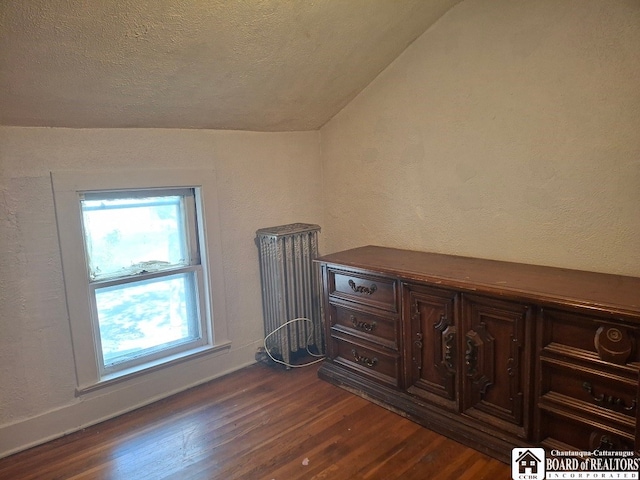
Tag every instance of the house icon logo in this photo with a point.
(527, 464)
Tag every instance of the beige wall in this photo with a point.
(509, 130)
(264, 179)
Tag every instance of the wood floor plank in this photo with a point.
(259, 423)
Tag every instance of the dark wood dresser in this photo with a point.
(493, 354)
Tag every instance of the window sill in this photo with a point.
(139, 370)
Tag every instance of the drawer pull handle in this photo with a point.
(608, 400)
(417, 359)
(369, 362)
(606, 444)
(418, 341)
(449, 351)
(471, 358)
(362, 289)
(367, 327)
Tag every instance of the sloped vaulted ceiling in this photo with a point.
(223, 64)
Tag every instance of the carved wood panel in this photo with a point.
(431, 345)
(497, 373)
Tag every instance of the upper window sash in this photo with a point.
(123, 215)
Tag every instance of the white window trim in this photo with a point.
(67, 187)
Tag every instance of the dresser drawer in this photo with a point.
(380, 329)
(378, 292)
(375, 363)
(594, 394)
(599, 339)
(582, 434)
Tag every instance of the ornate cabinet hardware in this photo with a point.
(417, 343)
(362, 289)
(448, 335)
(607, 442)
(479, 357)
(449, 342)
(366, 361)
(360, 325)
(471, 357)
(613, 344)
(608, 401)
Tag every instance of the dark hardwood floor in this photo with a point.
(259, 423)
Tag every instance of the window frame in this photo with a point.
(191, 229)
(68, 187)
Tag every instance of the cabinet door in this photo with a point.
(497, 370)
(431, 345)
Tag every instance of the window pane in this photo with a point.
(125, 236)
(140, 318)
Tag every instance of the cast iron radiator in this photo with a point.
(291, 288)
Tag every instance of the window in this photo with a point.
(135, 262)
(144, 272)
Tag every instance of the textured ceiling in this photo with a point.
(223, 64)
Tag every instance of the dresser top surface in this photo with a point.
(615, 294)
